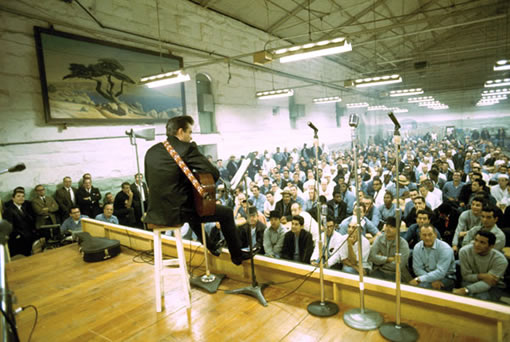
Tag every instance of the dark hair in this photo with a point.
(425, 211)
(73, 207)
(18, 191)
(389, 193)
(298, 218)
(124, 183)
(480, 182)
(420, 198)
(376, 179)
(391, 221)
(255, 186)
(479, 199)
(490, 236)
(491, 208)
(330, 218)
(173, 124)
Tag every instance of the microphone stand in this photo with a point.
(132, 140)
(360, 319)
(320, 308)
(255, 290)
(397, 331)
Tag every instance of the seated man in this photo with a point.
(467, 220)
(337, 207)
(257, 199)
(45, 207)
(369, 230)
(254, 230)
(433, 262)
(349, 255)
(382, 254)
(123, 206)
(412, 235)
(297, 243)
(482, 268)
(489, 218)
(332, 243)
(388, 208)
(371, 211)
(73, 222)
(310, 225)
(107, 215)
(273, 236)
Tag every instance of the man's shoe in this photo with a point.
(217, 248)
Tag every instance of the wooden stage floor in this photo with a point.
(113, 300)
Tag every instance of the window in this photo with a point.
(205, 103)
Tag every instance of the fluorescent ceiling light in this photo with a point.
(374, 108)
(164, 79)
(406, 92)
(503, 64)
(494, 97)
(271, 94)
(420, 99)
(496, 92)
(439, 107)
(373, 81)
(327, 99)
(357, 105)
(486, 103)
(497, 83)
(398, 110)
(312, 50)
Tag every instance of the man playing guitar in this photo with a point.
(171, 201)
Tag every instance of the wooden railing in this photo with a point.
(466, 316)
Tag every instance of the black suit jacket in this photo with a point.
(342, 210)
(279, 206)
(259, 235)
(305, 242)
(171, 192)
(136, 193)
(64, 200)
(89, 207)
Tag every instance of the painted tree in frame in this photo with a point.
(84, 79)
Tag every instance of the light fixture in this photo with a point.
(420, 99)
(495, 97)
(327, 99)
(428, 103)
(398, 110)
(483, 102)
(271, 94)
(374, 108)
(357, 105)
(440, 107)
(308, 50)
(502, 64)
(497, 83)
(406, 92)
(164, 79)
(373, 81)
(496, 92)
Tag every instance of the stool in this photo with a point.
(159, 264)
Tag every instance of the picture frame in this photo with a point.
(85, 80)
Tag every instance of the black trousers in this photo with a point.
(225, 216)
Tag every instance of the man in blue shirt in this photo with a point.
(73, 222)
(451, 189)
(257, 199)
(433, 262)
(107, 215)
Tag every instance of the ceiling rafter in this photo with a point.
(284, 19)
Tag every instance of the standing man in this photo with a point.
(66, 197)
(171, 197)
(88, 199)
(45, 207)
(23, 234)
(140, 195)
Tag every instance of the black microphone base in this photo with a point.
(399, 333)
(209, 283)
(322, 309)
(254, 291)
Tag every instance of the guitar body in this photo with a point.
(205, 206)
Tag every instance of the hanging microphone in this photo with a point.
(394, 119)
(353, 120)
(312, 126)
(19, 167)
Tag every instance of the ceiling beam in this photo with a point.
(284, 19)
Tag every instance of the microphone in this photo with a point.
(16, 168)
(353, 120)
(312, 126)
(394, 119)
(324, 214)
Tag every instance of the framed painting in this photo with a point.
(88, 80)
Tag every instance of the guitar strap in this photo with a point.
(173, 153)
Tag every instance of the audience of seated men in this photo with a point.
(274, 235)
(482, 268)
(123, 206)
(297, 242)
(66, 197)
(45, 207)
(107, 215)
(383, 251)
(73, 222)
(332, 243)
(252, 230)
(87, 198)
(19, 214)
(433, 262)
(489, 218)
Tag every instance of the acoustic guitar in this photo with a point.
(205, 205)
